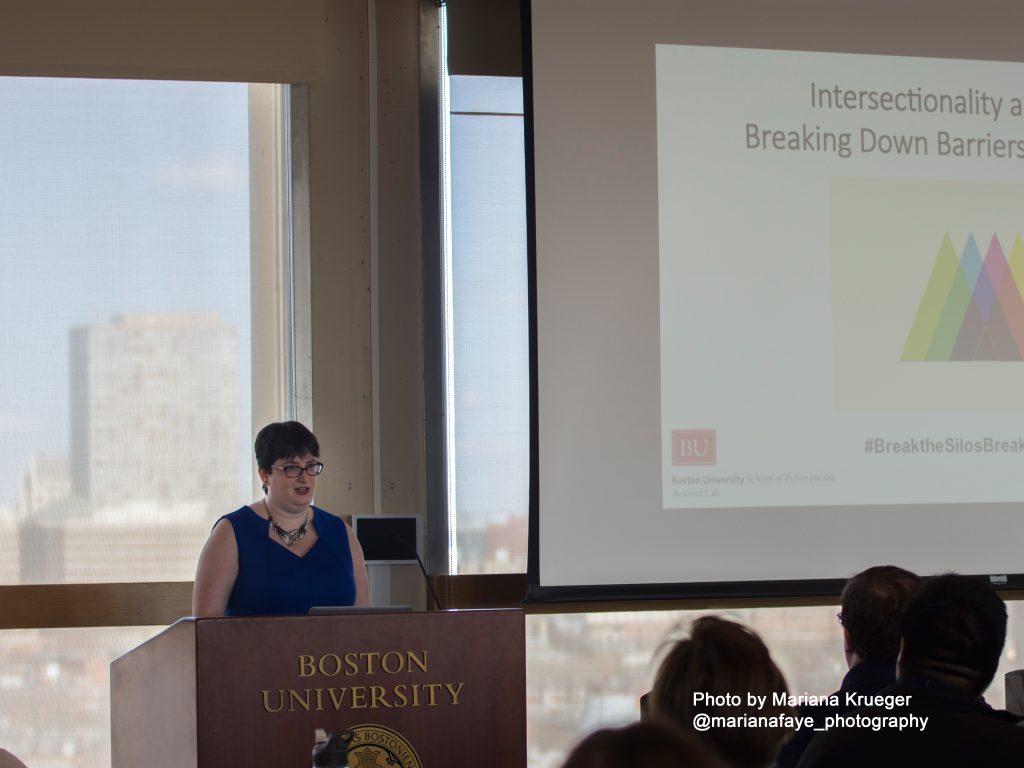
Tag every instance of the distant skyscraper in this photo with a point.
(47, 480)
(154, 411)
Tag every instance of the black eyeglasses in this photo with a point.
(839, 617)
(294, 470)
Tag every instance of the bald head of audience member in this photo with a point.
(714, 672)
(953, 634)
(650, 744)
(873, 603)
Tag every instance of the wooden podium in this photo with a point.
(435, 689)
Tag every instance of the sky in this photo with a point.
(115, 197)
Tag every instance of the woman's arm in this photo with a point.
(358, 568)
(216, 572)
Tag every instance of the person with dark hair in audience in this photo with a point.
(7, 760)
(281, 554)
(647, 744)
(934, 715)
(713, 673)
(872, 606)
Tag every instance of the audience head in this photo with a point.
(650, 744)
(722, 658)
(7, 760)
(873, 603)
(953, 633)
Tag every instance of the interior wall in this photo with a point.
(242, 40)
(365, 271)
(400, 283)
(339, 178)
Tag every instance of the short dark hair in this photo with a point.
(722, 657)
(873, 603)
(651, 744)
(284, 440)
(953, 632)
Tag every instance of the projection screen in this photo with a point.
(777, 270)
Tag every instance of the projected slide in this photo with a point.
(841, 269)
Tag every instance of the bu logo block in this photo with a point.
(693, 446)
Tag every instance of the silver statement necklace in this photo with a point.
(288, 537)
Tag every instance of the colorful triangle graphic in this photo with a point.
(972, 308)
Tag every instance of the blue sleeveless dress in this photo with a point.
(273, 581)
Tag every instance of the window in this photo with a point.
(488, 370)
(134, 225)
(587, 670)
(125, 219)
(55, 692)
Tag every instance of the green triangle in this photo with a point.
(1016, 262)
(952, 318)
(940, 286)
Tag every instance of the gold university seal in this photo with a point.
(374, 746)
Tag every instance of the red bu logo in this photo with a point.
(693, 446)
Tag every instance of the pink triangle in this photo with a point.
(1006, 292)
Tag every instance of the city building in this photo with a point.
(154, 404)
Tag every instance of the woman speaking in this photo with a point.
(280, 554)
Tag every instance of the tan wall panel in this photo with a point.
(400, 258)
(236, 40)
(339, 179)
(400, 281)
